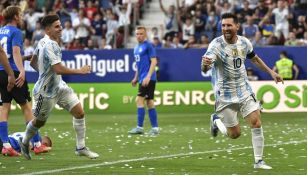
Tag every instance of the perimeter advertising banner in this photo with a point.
(186, 97)
(175, 65)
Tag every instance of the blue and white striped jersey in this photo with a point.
(14, 140)
(229, 79)
(48, 53)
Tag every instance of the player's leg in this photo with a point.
(69, 101)
(79, 126)
(140, 111)
(6, 149)
(152, 113)
(36, 140)
(228, 115)
(152, 117)
(6, 99)
(41, 110)
(22, 97)
(216, 125)
(250, 110)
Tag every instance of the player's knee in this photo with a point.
(256, 123)
(38, 123)
(140, 101)
(150, 104)
(79, 114)
(234, 135)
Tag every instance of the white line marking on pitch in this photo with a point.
(154, 158)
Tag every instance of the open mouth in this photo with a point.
(227, 34)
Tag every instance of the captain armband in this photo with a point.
(251, 55)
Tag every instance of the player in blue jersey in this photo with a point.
(50, 89)
(11, 42)
(145, 76)
(233, 94)
(13, 139)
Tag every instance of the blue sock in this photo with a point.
(36, 137)
(141, 116)
(4, 132)
(153, 117)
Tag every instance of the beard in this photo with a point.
(228, 36)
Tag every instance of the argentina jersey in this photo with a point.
(143, 53)
(48, 53)
(10, 36)
(14, 140)
(229, 79)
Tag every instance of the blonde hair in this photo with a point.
(10, 12)
(141, 28)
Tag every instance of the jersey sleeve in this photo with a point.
(151, 51)
(53, 52)
(212, 51)
(36, 50)
(250, 50)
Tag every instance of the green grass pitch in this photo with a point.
(184, 147)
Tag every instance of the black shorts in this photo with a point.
(147, 92)
(20, 95)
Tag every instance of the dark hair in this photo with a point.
(10, 12)
(230, 15)
(48, 20)
(284, 53)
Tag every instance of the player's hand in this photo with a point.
(21, 79)
(276, 77)
(11, 82)
(206, 61)
(146, 82)
(134, 82)
(85, 69)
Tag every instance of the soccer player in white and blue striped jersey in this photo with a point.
(233, 94)
(50, 89)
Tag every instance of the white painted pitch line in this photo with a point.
(154, 158)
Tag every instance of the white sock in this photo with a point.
(7, 145)
(37, 144)
(221, 126)
(258, 143)
(79, 126)
(30, 132)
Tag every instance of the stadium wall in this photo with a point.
(175, 65)
(184, 97)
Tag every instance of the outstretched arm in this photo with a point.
(62, 70)
(261, 65)
(205, 64)
(161, 6)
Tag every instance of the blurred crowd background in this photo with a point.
(108, 24)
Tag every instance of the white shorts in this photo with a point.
(229, 114)
(65, 98)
